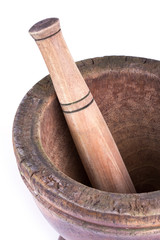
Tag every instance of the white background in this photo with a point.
(91, 28)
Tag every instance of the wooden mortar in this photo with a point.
(127, 91)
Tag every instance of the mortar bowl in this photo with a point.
(127, 91)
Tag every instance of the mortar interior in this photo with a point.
(129, 101)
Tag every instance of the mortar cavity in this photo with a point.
(130, 103)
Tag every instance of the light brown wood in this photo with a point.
(94, 142)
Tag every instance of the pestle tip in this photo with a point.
(45, 28)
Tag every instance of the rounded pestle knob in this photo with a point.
(45, 28)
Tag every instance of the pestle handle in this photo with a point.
(95, 144)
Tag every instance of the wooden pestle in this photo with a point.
(95, 144)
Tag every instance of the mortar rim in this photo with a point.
(34, 182)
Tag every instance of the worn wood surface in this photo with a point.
(127, 91)
(95, 144)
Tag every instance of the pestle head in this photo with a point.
(45, 28)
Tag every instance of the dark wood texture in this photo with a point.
(127, 91)
(60, 238)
